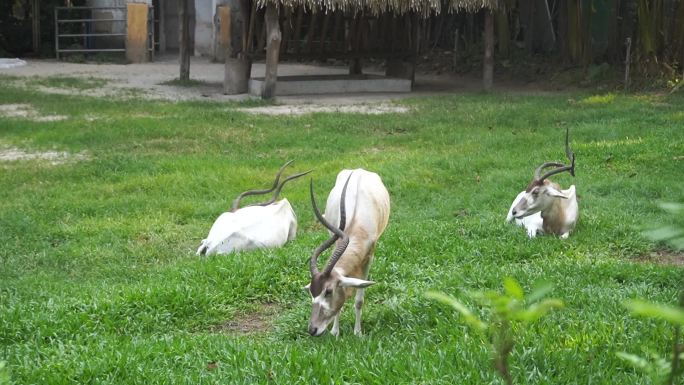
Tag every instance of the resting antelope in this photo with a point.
(544, 205)
(259, 225)
(359, 204)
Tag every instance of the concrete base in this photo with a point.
(331, 84)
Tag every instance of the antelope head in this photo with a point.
(277, 187)
(541, 192)
(328, 288)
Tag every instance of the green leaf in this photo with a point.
(674, 208)
(663, 233)
(668, 313)
(539, 291)
(470, 318)
(513, 288)
(4, 373)
(538, 310)
(636, 361)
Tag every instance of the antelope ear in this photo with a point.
(354, 282)
(555, 193)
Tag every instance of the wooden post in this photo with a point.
(36, 26)
(628, 57)
(184, 40)
(137, 33)
(312, 31)
(355, 67)
(455, 57)
(488, 63)
(324, 32)
(246, 16)
(162, 27)
(298, 30)
(235, 79)
(223, 39)
(273, 38)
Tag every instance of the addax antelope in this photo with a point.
(544, 206)
(356, 213)
(260, 225)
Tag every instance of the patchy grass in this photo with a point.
(66, 82)
(99, 282)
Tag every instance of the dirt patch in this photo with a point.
(54, 157)
(26, 111)
(258, 321)
(663, 257)
(370, 109)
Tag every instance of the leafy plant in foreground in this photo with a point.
(4, 373)
(659, 369)
(506, 309)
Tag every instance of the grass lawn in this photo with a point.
(99, 282)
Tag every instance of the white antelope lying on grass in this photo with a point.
(258, 225)
(543, 206)
(359, 204)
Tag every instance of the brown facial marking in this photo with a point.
(534, 184)
(317, 284)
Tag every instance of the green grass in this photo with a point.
(99, 282)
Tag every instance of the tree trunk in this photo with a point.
(184, 40)
(273, 39)
(488, 62)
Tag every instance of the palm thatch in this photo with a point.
(424, 8)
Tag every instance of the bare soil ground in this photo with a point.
(258, 321)
(146, 80)
(26, 111)
(663, 257)
(14, 154)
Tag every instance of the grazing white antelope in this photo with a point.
(259, 225)
(359, 205)
(548, 207)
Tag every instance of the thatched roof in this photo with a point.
(422, 7)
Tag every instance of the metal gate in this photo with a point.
(78, 29)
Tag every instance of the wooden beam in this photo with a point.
(287, 29)
(261, 39)
(36, 26)
(273, 38)
(339, 24)
(250, 32)
(298, 29)
(324, 32)
(312, 30)
(488, 62)
(184, 40)
(162, 26)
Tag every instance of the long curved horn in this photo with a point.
(236, 202)
(280, 187)
(560, 167)
(337, 234)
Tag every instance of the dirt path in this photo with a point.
(145, 80)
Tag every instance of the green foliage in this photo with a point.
(671, 314)
(4, 373)
(507, 308)
(673, 235)
(656, 368)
